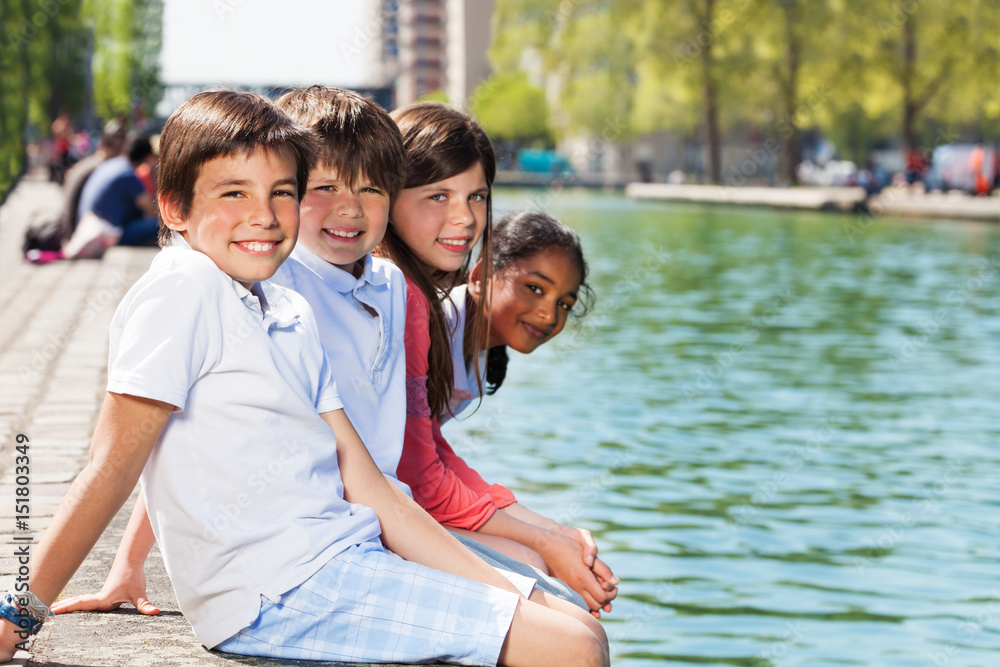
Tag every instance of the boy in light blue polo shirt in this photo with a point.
(359, 300)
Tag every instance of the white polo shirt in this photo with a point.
(366, 353)
(243, 488)
(466, 390)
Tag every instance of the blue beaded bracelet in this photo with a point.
(23, 618)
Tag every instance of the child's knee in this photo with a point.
(595, 626)
(592, 651)
(544, 636)
(572, 610)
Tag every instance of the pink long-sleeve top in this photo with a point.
(441, 481)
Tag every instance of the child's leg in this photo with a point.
(564, 606)
(541, 635)
(504, 562)
(507, 547)
(366, 605)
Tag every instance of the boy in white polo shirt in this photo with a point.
(266, 504)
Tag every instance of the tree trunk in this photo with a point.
(711, 105)
(792, 92)
(911, 107)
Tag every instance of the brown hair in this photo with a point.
(357, 137)
(441, 142)
(221, 123)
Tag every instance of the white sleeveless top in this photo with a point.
(466, 391)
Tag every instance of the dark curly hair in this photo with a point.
(521, 235)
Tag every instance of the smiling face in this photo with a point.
(441, 222)
(530, 299)
(244, 214)
(342, 224)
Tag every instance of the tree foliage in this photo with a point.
(860, 71)
(64, 55)
(510, 109)
(580, 54)
(128, 35)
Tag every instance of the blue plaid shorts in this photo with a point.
(367, 605)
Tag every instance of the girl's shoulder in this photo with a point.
(416, 301)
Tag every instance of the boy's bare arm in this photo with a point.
(126, 582)
(407, 529)
(127, 429)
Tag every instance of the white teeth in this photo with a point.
(453, 241)
(346, 235)
(258, 247)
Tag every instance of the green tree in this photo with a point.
(127, 38)
(793, 56)
(510, 109)
(859, 70)
(521, 27)
(923, 63)
(696, 59)
(580, 50)
(14, 81)
(434, 96)
(48, 50)
(41, 52)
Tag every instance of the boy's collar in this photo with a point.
(268, 302)
(340, 280)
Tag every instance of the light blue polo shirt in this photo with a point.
(365, 350)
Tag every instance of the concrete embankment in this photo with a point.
(817, 198)
(949, 206)
(896, 201)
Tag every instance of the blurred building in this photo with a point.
(395, 51)
(436, 46)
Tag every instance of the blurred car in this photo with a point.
(952, 167)
(541, 161)
(832, 172)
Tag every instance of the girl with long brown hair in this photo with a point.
(435, 222)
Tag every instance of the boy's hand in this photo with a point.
(124, 585)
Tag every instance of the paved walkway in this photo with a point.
(53, 363)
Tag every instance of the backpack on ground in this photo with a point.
(44, 235)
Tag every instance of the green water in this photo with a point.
(781, 427)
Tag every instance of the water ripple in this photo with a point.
(785, 442)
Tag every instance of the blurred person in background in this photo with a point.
(111, 144)
(62, 138)
(115, 207)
